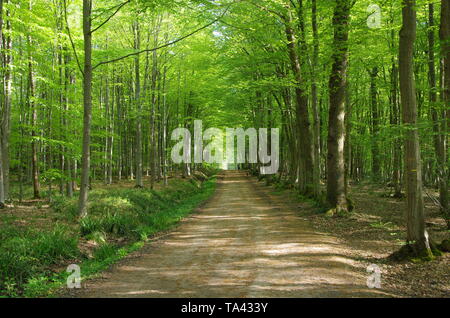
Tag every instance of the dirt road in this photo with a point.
(243, 242)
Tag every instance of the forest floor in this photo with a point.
(40, 238)
(245, 241)
(253, 240)
(376, 228)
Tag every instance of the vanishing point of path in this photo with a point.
(243, 242)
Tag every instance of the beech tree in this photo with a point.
(417, 236)
(442, 139)
(336, 189)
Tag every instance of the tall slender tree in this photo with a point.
(305, 170)
(137, 84)
(87, 104)
(314, 92)
(376, 164)
(5, 120)
(33, 108)
(336, 194)
(444, 173)
(417, 236)
(2, 184)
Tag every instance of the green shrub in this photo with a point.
(136, 214)
(147, 201)
(122, 224)
(16, 262)
(55, 246)
(97, 236)
(64, 205)
(31, 252)
(109, 205)
(8, 231)
(105, 251)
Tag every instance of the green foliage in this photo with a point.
(27, 252)
(105, 251)
(133, 214)
(382, 225)
(66, 207)
(52, 175)
(137, 213)
(235, 73)
(121, 224)
(98, 237)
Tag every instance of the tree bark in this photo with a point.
(87, 105)
(314, 93)
(336, 196)
(34, 155)
(5, 120)
(306, 163)
(109, 155)
(32, 105)
(417, 236)
(106, 176)
(397, 147)
(165, 115)
(153, 149)
(376, 166)
(438, 138)
(444, 34)
(137, 92)
(2, 184)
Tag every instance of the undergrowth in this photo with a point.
(129, 216)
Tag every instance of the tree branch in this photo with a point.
(111, 16)
(268, 10)
(70, 38)
(164, 45)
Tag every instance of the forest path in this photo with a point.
(243, 242)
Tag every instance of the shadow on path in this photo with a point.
(241, 243)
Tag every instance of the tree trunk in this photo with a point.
(376, 172)
(87, 104)
(306, 164)
(63, 123)
(314, 97)
(2, 189)
(71, 162)
(108, 133)
(5, 120)
(417, 236)
(109, 155)
(444, 33)
(32, 105)
(165, 115)
(336, 195)
(137, 92)
(347, 145)
(153, 149)
(397, 147)
(2, 184)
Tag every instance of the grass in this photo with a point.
(119, 221)
(383, 225)
(28, 253)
